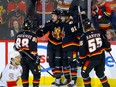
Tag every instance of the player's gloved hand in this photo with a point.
(108, 50)
(14, 47)
(103, 8)
(74, 59)
(80, 62)
(37, 60)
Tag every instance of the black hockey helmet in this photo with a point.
(65, 13)
(56, 12)
(87, 23)
(28, 24)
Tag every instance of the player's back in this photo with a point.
(26, 40)
(92, 43)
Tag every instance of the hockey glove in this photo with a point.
(14, 47)
(37, 60)
(74, 59)
(108, 50)
(80, 62)
(103, 8)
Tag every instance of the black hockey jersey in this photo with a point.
(26, 40)
(55, 32)
(92, 43)
(69, 41)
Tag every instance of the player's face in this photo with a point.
(67, 18)
(17, 60)
(63, 18)
(54, 17)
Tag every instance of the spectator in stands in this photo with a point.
(15, 29)
(3, 18)
(101, 12)
(113, 18)
(49, 7)
(113, 15)
(16, 11)
(63, 4)
(4, 28)
(74, 10)
(111, 35)
(3, 6)
(4, 3)
(30, 6)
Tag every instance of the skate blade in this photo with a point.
(59, 86)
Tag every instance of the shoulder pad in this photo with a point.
(71, 22)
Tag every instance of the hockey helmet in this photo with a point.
(87, 23)
(28, 24)
(56, 12)
(13, 56)
(65, 13)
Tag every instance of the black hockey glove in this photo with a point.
(14, 47)
(74, 59)
(108, 50)
(103, 8)
(37, 60)
(80, 62)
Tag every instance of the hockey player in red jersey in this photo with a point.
(12, 72)
(92, 47)
(26, 44)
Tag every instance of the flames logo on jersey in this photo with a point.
(57, 33)
(62, 33)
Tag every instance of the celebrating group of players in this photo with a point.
(69, 46)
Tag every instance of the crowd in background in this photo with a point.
(14, 12)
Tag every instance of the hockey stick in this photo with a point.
(112, 57)
(79, 9)
(40, 65)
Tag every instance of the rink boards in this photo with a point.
(46, 79)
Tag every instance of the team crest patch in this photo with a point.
(81, 43)
(56, 33)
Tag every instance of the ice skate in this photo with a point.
(66, 81)
(72, 84)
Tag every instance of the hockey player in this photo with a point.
(92, 47)
(12, 72)
(26, 44)
(70, 47)
(54, 47)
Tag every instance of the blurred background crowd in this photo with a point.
(14, 12)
